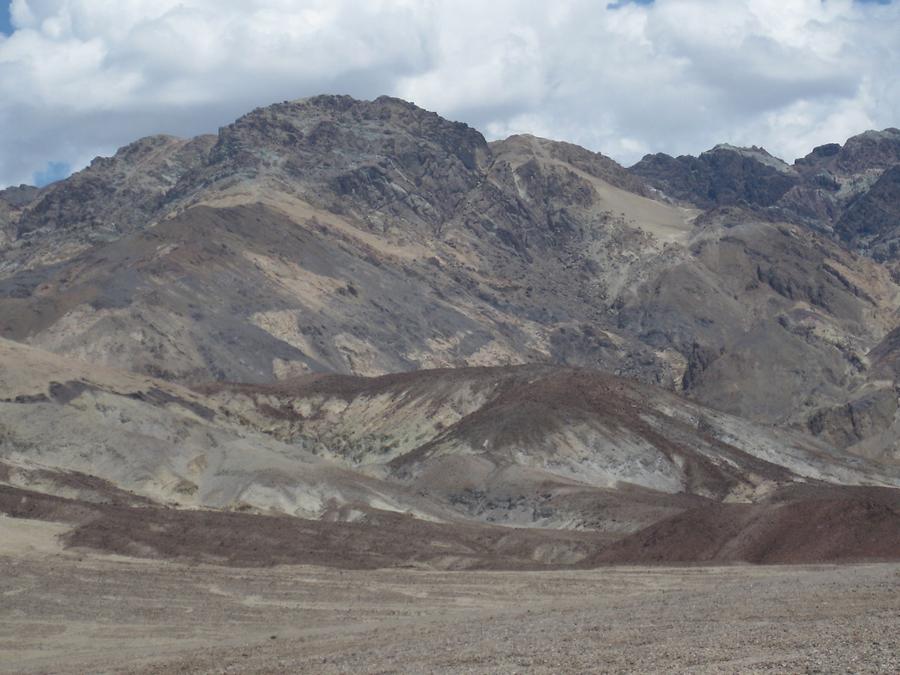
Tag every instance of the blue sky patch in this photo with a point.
(53, 172)
(621, 3)
(5, 22)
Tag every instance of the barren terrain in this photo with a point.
(76, 612)
(347, 388)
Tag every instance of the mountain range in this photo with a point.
(353, 318)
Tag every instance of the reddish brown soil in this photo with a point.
(798, 526)
(383, 539)
(802, 526)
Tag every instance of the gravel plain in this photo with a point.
(63, 611)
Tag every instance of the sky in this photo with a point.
(80, 78)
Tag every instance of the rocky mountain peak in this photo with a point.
(520, 148)
(18, 196)
(119, 193)
(816, 190)
(726, 175)
(865, 152)
(382, 159)
(377, 160)
(754, 153)
(284, 133)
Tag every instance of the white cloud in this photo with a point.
(82, 77)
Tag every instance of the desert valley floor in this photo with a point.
(69, 611)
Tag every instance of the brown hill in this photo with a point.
(824, 525)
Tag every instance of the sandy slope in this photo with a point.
(23, 536)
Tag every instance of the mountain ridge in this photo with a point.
(352, 308)
(510, 228)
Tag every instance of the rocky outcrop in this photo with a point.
(117, 194)
(862, 418)
(723, 176)
(865, 152)
(18, 196)
(871, 220)
(825, 190)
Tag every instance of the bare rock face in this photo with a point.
(723, 176)
(18, 196)
(366, 237)
(752, 305)
(115, 194)
(12, 200)
(825, 190)
(835, 176)
(844, 426)
(868, 151)
(871, 220)
(359, 157)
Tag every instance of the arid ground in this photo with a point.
(64, 611)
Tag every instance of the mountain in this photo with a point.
(724, 176)
(336, 310)
(872, 219)
(333, 235)
(825, 190)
